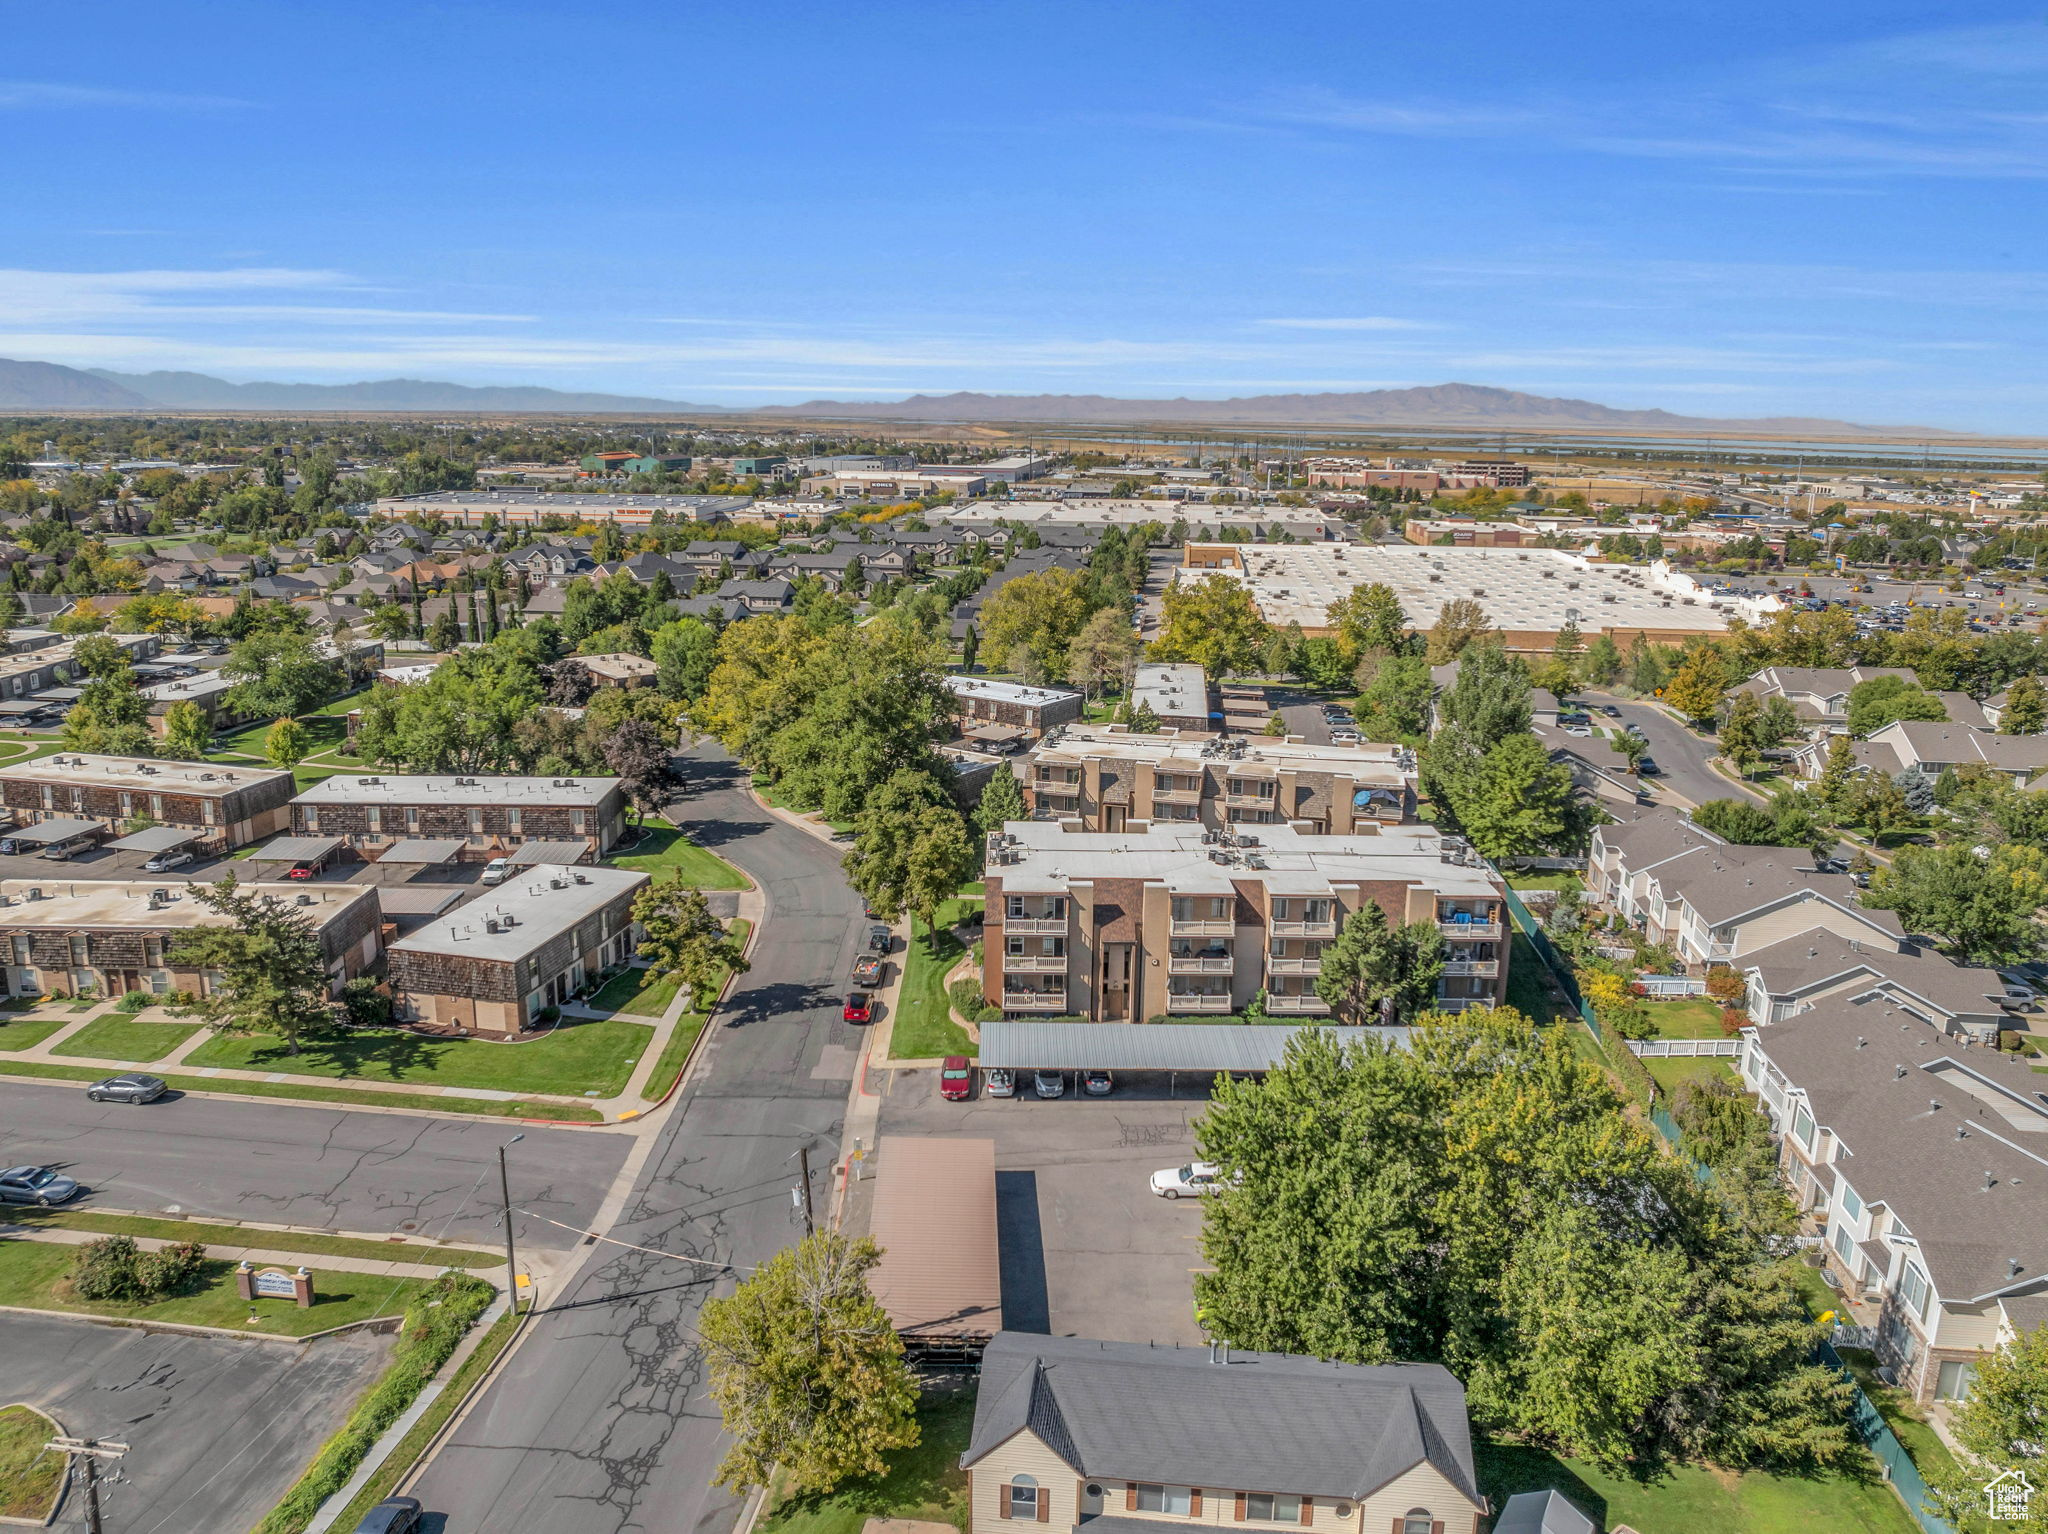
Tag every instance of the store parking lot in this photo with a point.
(1087, 1249)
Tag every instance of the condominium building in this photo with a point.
(1108, 778)
(488, 815)
(1125, 926)
(998, 713)
(231, 805)
(73, 937)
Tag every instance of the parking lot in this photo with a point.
(1087, 1249)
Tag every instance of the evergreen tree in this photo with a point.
(1002, 801)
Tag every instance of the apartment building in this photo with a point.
(1715, 903)
(73, 937)
(1003, 712)
(495, 964)
(1177, 919)
(1818, 694)
(1108, 778)
(1150, 1439)
(1177, 693)
(232, 805)
(1922, 1170)
(488, 815)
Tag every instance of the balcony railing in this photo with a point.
(1034, 1001)
(1177, 795)
(1484, 969)
(1477, 931)
(1294, 964)
(1191, 1001)
(1313, 1006)
(1034, 964)
(1303, 928)
(1201, 964)
(1202, 926)
(1267, 801)
(1036, 926)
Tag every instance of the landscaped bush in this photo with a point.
(966, 998)
(135, 1001)
(366, 1006)
(115, 1270)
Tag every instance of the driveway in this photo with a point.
(1681, 756)
(218, 1428)
(306, 1165)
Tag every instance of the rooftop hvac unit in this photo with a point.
(581, 878)
(491, 924)
(558, 884)
(305, 900)
(33, 894)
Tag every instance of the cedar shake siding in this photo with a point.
(593, 814)
(233, 806)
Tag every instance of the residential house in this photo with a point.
(1932, 745)
(1131, 1438)
(617, 670)
(1818, 694)
(1816, 967)
(750, 598)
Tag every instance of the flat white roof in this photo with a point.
(1369, 760)
(125, 903)
(187, 689)
(1177, 689)
(543, 903)
(352, 788)
(1006, 692)
(1521, 589)
(1189, 860)
(1094, 512)
(153, 774)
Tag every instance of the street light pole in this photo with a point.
(505, 1194)
(804, 1165)
(90, 1451)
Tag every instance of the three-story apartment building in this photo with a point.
(1175, 919)
(1106, 778)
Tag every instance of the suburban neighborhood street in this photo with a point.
(1682, 757)
(598, 1423)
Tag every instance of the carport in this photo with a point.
(314, 851)
(527, 854)
(151, 840)
(45, 834)
(1169, 1047)
(414, 855)
(940, 1275)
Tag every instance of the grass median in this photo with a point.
(306, 1091)
(209, 1234)
(29, 1473)
(662, 849)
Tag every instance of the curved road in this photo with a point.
(599, 1424)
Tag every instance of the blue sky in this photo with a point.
(1725, 209)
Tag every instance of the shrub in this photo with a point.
(1733, 1020)
(109, 1270)
(365, 1004)
(965, 996)
(1634, 1076)
(172, 1269)
(989, 1015)
(135, 1001)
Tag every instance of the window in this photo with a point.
(476, 822)
(1272, 1507)
(1913, 1291)
(1163, 1499)
(208, 811)
(81, 952)
(577, 822)
(1283, 908)
(153, 950)
(513, 819)
(412, 818)
(1845, 1244)
(1176, 812)
(1418, 1521)
(1852, 1206)
(1021, 1498)
(376, 818)
(313, 817)
(21, 952)
(156, 806)
(1802, 1128)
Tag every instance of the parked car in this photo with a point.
(956, 1079)
(1049, 1083)
(867, 971)
(301, 871)
(2019, 998)
(164, 862)
(1610, 711)
(36, 1185)
(856, 1008)
(1343, 737)
(497, 871)
(394, 1515)
(1195, 1180)
(1646, 766)
(997, 1082)
(880, 939)
(128, 1087)
(1097, 1083)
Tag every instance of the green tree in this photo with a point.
(807, 1370)
(1980, 908)
(1393, 706)
(1632, 746)
(1459, 622)
(1697, 687)
(465, 718)
(187, 733)
(1369, 618)
(1212, 623)
(278, 674)
(1002, 800)
(683, 941)
(1602, 663)
(2001, 1425)
(1519, 803)
(941, 857)
(878, 863)
(1881, 700)
(1778, 723)
(111, 716)
(1103, 653)
(272, 975)
(1377, 972)
(1837, 785)
(684, 653)
(287, 743)
(1742, 732)
(2026, 708)
(1029, 623)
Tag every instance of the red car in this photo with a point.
(956, 1079)
(300, 871)
(856, 1008)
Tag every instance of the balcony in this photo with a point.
(1483, 969)
(1477, 931)
(1202, 926)
(1201, 964)
(1254, 801)
(1034, 1001)
(1034, 964)
(1196, 1001)
(1296, 1006)
(1035, 926)
(1177, 795)
(1294, 964)
(1302, 928)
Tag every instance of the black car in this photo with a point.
(394, 1515)
(1610, 711)
(128, 1087)
(1647, 767)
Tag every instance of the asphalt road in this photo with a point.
(306, 1165)
(599, 1423)
(217, 1427)
(1681, 756)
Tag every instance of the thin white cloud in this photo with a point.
(27, 95)
(1355, 322)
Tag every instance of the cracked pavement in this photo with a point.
(598, 1423)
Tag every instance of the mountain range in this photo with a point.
(51, 386)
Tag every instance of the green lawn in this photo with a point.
(27, 1030)
(33, 1274)
(119, 1036)
(1696, 1498)
(662, 847)
(313, 1091)
(1565, 880)
(925, 1482)
(924, 1025)
(235, 1235)
(1906, 1420)
(1695, 1017)
(581, 1056)
(635, 991)
(29, 1474)
(676, 1052)
(1669, 1072)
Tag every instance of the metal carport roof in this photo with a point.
(424, 850)
(157, 839)
(1149, 1046)
(44, 832)
(296, 849)
(549, 852)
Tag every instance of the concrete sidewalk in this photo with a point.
(256, 1254)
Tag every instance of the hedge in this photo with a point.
(434, 1324)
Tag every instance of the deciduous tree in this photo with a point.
(1980, 908)
(1697, 687)
(187, 734)
(683, 941)
(1213, 623)
(287, 743)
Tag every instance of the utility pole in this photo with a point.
(511, 1260)
(803, 1162)
(89, 1451)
